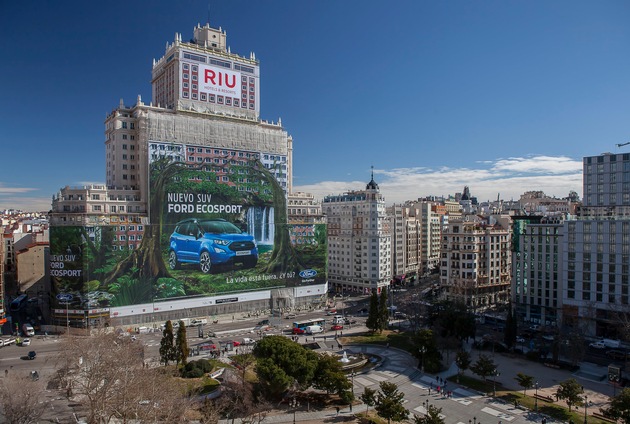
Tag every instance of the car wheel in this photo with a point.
(205, 263)
(250, 263)
(173, 263)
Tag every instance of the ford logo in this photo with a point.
(308, 273)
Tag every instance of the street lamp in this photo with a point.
(536, 398)
(422, 351)
(585, 406)
(293, 403)
(494, 382)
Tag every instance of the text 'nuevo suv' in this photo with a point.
(209, 243)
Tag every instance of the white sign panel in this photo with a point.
(219, 81)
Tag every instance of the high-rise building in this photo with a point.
(597, 251)
(537, 269)
(359, 240)
(206, 181)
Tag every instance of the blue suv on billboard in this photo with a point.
(211, 243)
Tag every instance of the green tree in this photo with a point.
(330, 377)
(570, 391)
(525, 381)
(462, 360)
(181, 345)
(619, 408)
(383, 312)
(372, 320)
(296, 363)
(427, 352)
(389, 402)
(452, 319)
(167, 345)
(484, 366)
(432, 416)
(369, 398)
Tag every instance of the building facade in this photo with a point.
(476, 261)
(359, 241)
(597, 251)
(226, 162)
(537, 269)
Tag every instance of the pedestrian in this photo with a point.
(337, 410)
(429, 391)
(438, 389)
(387, 345)
(6, 373)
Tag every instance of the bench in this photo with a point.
(544, 398)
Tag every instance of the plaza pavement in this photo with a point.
(465, 406)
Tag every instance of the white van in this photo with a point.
(28, 330)
(314, 329)
(338, 319)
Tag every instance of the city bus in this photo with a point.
(299, 327)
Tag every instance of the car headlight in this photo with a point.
(222, 242)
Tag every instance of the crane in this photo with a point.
(623, 144)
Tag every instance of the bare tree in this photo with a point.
(20, 400)
(106, 373)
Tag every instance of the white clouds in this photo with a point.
(509, 178)
(539, 164)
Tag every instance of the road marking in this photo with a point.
(498, 414)
(363, 381)
(378, 377)
(423, 411)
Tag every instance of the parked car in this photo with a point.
(349, 321)
(263, 322)
(363, 311)
(534, 327)
(32, 354)
(211, 242)
(520, 339)
(235, 343)
(597, 345)
(298, 331)
(336, 327)
(290, 316)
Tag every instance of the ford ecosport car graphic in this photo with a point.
(210, 243)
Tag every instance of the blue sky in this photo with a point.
(502, 96)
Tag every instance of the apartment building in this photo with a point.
(406, 228)
(359, 240)
(476, 261)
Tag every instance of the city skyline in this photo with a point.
(504, 97)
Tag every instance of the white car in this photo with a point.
(26, 342)
(597, 345)
(520, 339)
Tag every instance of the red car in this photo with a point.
(336, 327)
(298, 331)
(235, 343)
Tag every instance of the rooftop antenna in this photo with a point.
(623, 144)
(208, 12)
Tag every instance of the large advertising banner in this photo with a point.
(218, 229)
(223, 228)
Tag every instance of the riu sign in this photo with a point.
(219, 81)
